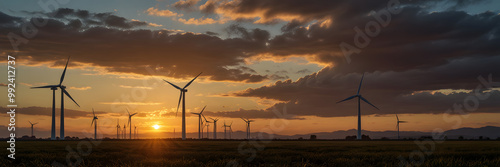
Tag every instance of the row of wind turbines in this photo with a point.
(182, 98)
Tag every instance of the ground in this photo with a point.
(253, 153)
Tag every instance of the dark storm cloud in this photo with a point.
(45, 111)
(392, 92)
(112, 42)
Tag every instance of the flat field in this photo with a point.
(252, 153)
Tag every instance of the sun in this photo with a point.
(156, 126)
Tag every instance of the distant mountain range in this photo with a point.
(491, 132)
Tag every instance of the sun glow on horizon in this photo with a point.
(156, 126)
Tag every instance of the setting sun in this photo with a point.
(156, 126)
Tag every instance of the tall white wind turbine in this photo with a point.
(200, 121)
(359, 105)
(397, 126)
(94, 122)
(183, 98)
(63, 92)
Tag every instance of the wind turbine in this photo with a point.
(118, 129)
(63, 91)
(130, 123)
(248, 126)
(207, 125)
(94, 121)
(215, 127)
(359, 105)
(230, 129)
(200, 121)
(135, 131)
(124, 131)
(398, 124)
(183, 97)
(225, 129)
(32, 127)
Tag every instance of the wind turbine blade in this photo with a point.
(403, 121)
(133, 114)
(244, 119)
(128, 112)
(30, 122)
(67, 94)
(189, 83)
(92, 122)
(35, 123)
(203, 109)
(173, 85)
(178, 104)
(359, 88)
(93, 112)
(368, 102)
(231, 124)
(48, 86)
(349, 98)
(204, 118)
(397, 117)
(64, 72)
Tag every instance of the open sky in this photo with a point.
(280, 63)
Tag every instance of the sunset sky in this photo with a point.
(256, 56)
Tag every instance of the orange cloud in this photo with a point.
(201, 21)
(163, 13)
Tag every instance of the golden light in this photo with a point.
(156, 126)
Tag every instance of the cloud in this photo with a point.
(185, 4)
(201, 21)
(114, 48)
(131, 103)
(135, 87)
(80, 88)
(163, 13)
(3, 84)
(392, 92)
(46, 111)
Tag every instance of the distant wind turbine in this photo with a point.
(225, 129)
(124, 131)
(207, 125)
(130, 123)
(183, 98)
(248, 126)
(94, 122)
(118, 129)
(200, 121)
(359, 105)
(215, 126)
(63, 91)
(32, 127)
(135, 131)
(397, 126)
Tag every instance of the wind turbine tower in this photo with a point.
(200, 121)
(397, 126)
(32, 127)
(359, 105)
(63, 92)
(94, 121)
(183, 98)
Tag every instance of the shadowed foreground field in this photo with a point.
(251, 153)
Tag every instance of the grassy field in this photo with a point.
(252, 153)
